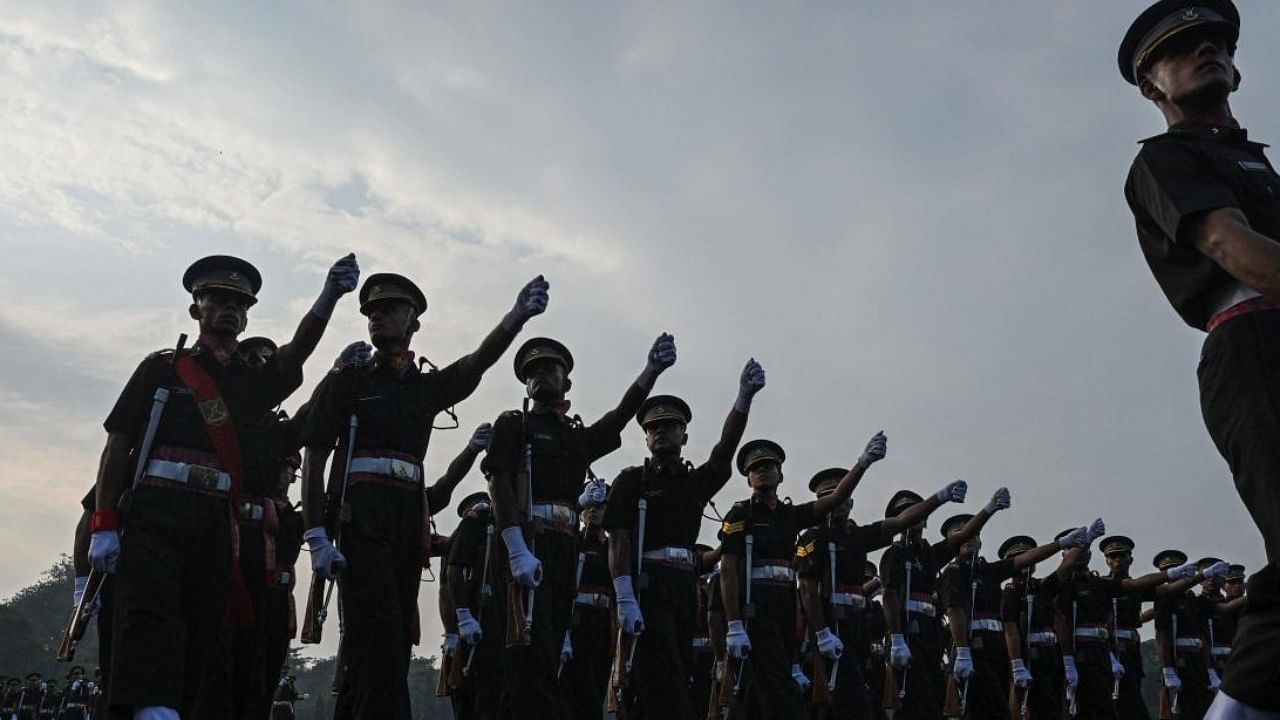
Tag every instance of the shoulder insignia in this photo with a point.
(732, 528)
(805, 550)
(163, 352)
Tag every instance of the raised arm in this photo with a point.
(662, 355)
(749, 383)
(1081, 537)
(999, 501)
(341, 279)
(530, 302)
(874, 451)
(1184, 573)
(441, 492)
(917, 513)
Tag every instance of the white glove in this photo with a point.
(480, 438)
(1069, 671)
(156, 712)
(1096, 530)
(468, 627)
(343, 277)
(1021, 675)
(629, 617)
(525, 568)
(1171, 679)
(1217, 570)
(999, 501)
(964, 663)
(531, 300)
(801, 679)
(875, 451)
(829, 645)
(450, 642)
(750, 383)
(104, 550)
(1117, 667)
(325, 558)
(592, 495)
(1185, 571)
(662, 354)
(899, 652)
(736, 639)
(357, 354)
(566, 650)
(1215, 682)
(1074, 539)
(953, 492)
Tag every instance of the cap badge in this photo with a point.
(234, 276)
(1190, 14)
(376, 288)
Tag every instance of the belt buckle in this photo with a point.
(204, 477)
(400, 469)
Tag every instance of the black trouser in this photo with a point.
(530, 689)
(378, 593)
(1194, 697)
(584, 682)
(1253, 672)
(1093, 695)
(769, 691)
(1045, 694)
(704, 664)
(875, 681)
(277, 629)
(924, 677)
(1131, 705)
(170, 597)
(988, 686)
(850, 698)
(664, 654)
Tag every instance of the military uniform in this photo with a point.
(78, 696)
(1027, 604)
(476, 697)
(584, 681)
(922, 695)
(1225, 622)
(702, 674)
(835, 556)
(875, 630)
(1127, 643)
(1084, 605)
(384, 542)
(1177, 177)
(1183, 621)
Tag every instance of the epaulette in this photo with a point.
(511, 414)
(160, 353)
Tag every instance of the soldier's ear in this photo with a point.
(1236, 85)
(1149, 89)
(684, 440)
(567, 384)
(414, 325)
(194, 311)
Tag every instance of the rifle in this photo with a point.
(748, 612)
(447, 665)
(78, 623)
(340, 665)
(321, 590)
(718, 675)
(1115, 646)
(620, 675)
(823, 684)
(486, 592)
(520, 609)
(573, 613)
(1072, 706)
(456, 668)
(1169, 698)
(895, 691)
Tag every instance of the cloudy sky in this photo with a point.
(909, 212)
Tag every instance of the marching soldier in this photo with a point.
(1182, 639)
(389, 406)
(79, 700)
(873, 668)
(470, 577)
(1227, 616)
(831, 561)
(1126, 644)
(1027, 612)
(653, 522)
(971, 593)
(584, 658)
(286, 694)
(177, 567)
(757, 577)
(1206, 202)
(537, 465)
(702, 674)
(50, 701)
(909, 571)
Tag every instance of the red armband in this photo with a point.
(104, 520)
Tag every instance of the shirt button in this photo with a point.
(1215, 131)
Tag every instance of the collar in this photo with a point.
(224, 351)
(1201, 131)
(674, 467)
(397, 362)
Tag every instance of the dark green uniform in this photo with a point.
(476, 697)
(975, 587)
(1029, 604)
(922, 699)
(1191, 642)
(585, 678)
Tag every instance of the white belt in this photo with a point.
(1220, 650)
(552, 512)
(390, 467)
(1126, 634)
(987, 624)
(849, 600)
(670, 554)
(1096, 633)
(701, 642)
(780, 573)
(1192, 643)
(594, 599)
(252, 512)
(1230, 296)
(922, 607)
(286, 577)
(196, 475)
(1043, 638)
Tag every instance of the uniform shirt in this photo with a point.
(288, 535)
(852, 543)
(1090, 595)
(958, 580)
(1181, 174)
(1192, 612)
(675, 495)
(926, 561)
(562, 450)
(249, 391)
(594, 548)
(1039, 596)
(1224, 624)
(773, 530)
(466, 550)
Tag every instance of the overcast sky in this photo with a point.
(910, 212)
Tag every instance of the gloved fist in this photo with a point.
(1096, 530)
(829, 645)
(1021, 675)
(629, 617)
(531, 300)
(593, 494)
(566, 649)
(1076, 538)
(749, 383)
(737, 641)
(343, 276)
(663, 353)
(326, 560)
(1070, 673)
(104, 550)
(480, 438)
(797, 674)
(1171, 679)
(450, 643)
(1216, 571)
(525, 568)
(1185, 571)
(1215, 682)
(953, 492)
(899, 653)
(964, 663)
(999, 501)
(357, 354)
(875, 451)
(468, 627)
(1117, 667)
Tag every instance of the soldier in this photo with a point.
(51, 700)
(831, 561)
(1126, 644)
(1227, 616)
(77, 705)
(702, 674)
(971, 593)
(1027, 612)
(392, 406)
(1207, 207)
(184, 578)
(1182, 639)
(470, 574)
(909, 571)
(757, 578)
(675, 494)
(874, 630)
(286, 694)
(584, 668)
(29, 700)
(537, 465)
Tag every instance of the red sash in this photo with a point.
(221, 430)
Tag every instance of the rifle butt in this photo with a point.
(340, 668)
(889, 699)
(821, 692)
(951, 707)
(312, 626)
(1166, 707)
(445, 673)
(725, 688)
(517, 633)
